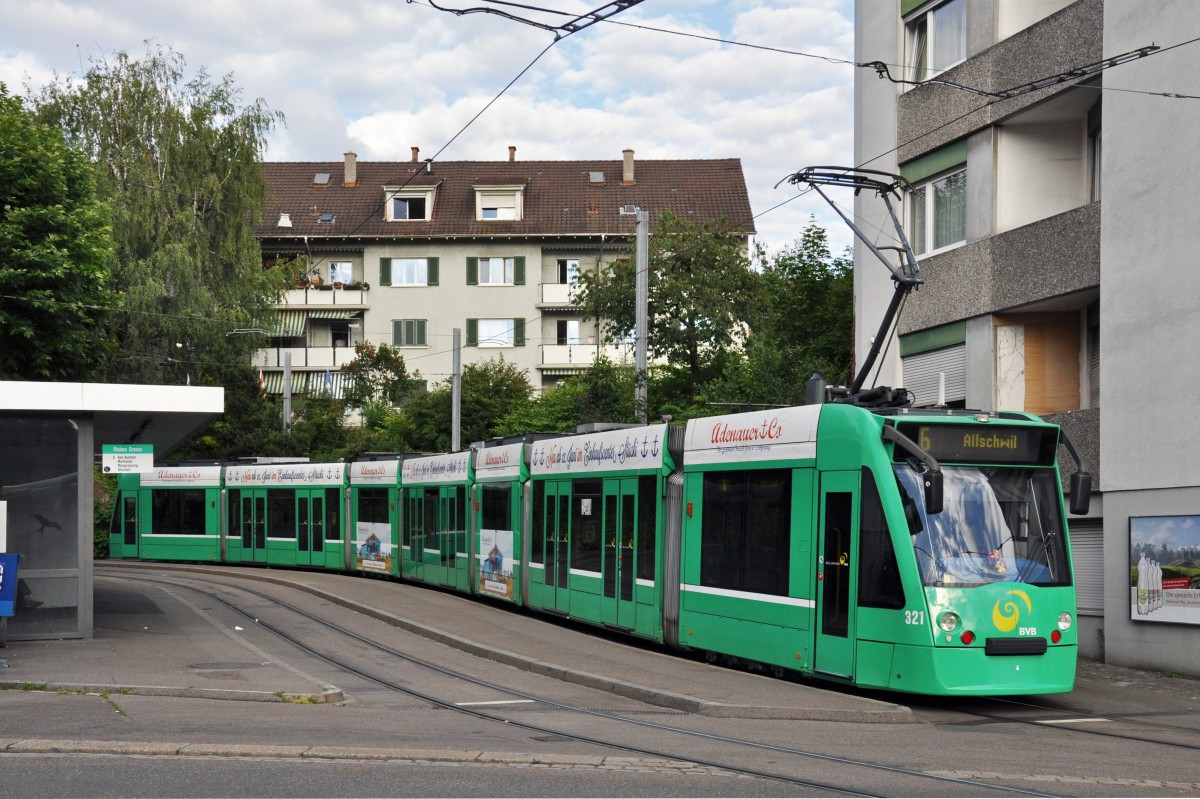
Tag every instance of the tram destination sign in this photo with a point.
(126, 458)
(979, 443)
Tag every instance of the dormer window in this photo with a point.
(499, 202)
(409, 205)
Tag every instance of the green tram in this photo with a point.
(924, 551)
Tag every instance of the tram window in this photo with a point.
(647, 526)
(460, 524)
(281, 513)
(233, 525)
(178, 512)
(835, 588)
(333, 514)
(538, 522)
(373, 505)
(746, 531)
(430, 517)
(878, 574)
(496, 506)
(585, 525)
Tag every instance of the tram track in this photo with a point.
(474, 709)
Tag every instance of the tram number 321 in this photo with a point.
(914, 617)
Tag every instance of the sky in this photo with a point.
(380, 78)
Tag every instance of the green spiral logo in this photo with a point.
(1007, 612)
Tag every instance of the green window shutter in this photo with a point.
(419, 340)
(472, 332)
(431, 271)
(518, 332)
(519, 270)
(940, 160)
(385, 271)
(472, 271)
(397, 332)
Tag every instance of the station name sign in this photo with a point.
(126, 458)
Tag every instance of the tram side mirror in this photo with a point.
(1081, 493)
(933, 492)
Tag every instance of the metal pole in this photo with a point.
(456, 395)
(287, 390)
(642, 298)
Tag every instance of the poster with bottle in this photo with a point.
(1164, 569)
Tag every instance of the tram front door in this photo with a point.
(557, 516)
(837, 551)
(129, 526)
(617, 607)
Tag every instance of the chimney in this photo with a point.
(351, 173)
(512, 153)
(628, 176)
(416, 153)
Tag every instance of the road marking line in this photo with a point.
(1072, 721)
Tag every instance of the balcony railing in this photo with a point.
(558, 356)
(303, 357)
(324, 297)
(558, 294)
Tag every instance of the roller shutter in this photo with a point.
(921, 373)
(1087, 549)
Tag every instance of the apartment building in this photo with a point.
(404, 253)
(1050, 150)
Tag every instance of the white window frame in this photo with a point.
(393, 194)
(920, 34)
(923, 192)
(571, 267)
(499, 333)
(415, 269)
(341, 272)
(499, 203)
(490, 270)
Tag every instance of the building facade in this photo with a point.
(1048, 213)
(404, 253)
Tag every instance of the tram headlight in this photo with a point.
(949, 622)
(1064, 621)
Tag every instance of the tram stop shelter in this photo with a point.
(51, 436)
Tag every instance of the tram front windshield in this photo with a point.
(998, 524)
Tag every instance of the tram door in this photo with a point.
(415, 522)
(617, 607)
(310, 527)
(555, 595)
(449, 526)
(254, 526)
(837, 551)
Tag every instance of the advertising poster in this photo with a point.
(373, 546)
(1164, 569)
(495, 571)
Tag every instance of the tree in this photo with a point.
(805, 325)
(701, 293)
(490, 391)
(601, 393)
(179, 162)
(56, 290)
(378, 373)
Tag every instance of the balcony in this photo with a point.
(571, 358)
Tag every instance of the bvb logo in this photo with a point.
(1007, 613)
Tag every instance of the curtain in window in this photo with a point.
(950, 210)
(949, 34)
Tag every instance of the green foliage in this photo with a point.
(805, 325)
(701, 292)
(104, 497)
(602, 393)
(179, 162)
(56, 288)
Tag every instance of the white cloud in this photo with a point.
(378, 78)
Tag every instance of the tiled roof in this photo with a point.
(560, 198)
